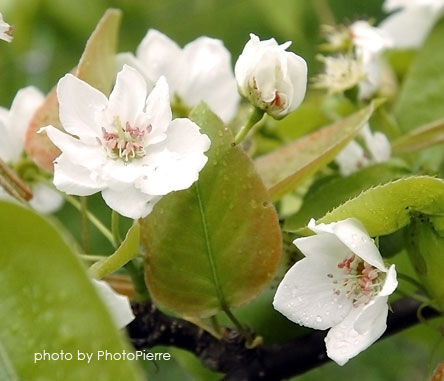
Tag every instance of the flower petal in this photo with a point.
(45, 199)
(75, 150)
(390, 283)
(23, 107)
(297, 71)
(322, 246)
(130, 202)
(307, 296)
(206, 75)
(118, 305)
(352, 233)
(351, 158)
(344, 341)
(158, 111)
(128, 97)
(175, 163)
(159, 55)
(409, 26)
(79, 104)
(72, 178)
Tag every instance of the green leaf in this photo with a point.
(427, 136)
(338, 190)
(420, 99)
(96, 66)
(128, 250)
(48, 304)
(217, 244)
(285, 168)
(425, 246)
(387, 208)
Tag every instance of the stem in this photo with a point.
(92, 258)
(84, 215)
(93, 219)
(257, 116)
(138, 279)
(115, 227)
(239, 326)
(324, 12)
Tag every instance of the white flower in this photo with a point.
(369, 43)
(354, 157)
(13, 126)
(411, 21)
(341, 284)
(5, 30)
(341, 72)
(201, 71)
(118, 305)
(271, 78)
(127, 146)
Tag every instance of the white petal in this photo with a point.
(89, 156)
(158, 111)
(4, 28)
(130, 202)
(23, 107)
(344, 341)
(351, 158)
(159, 55)
(130, 60)
(206, 75)
(353, 234)
(297, 70)
(72, 178)
(390, 283)
(323, 246)
(410, 26)
(175, 163)
(127, 100)
(118, 305)
(306, 294)
(79, 104)
(11, 146)
(377, 144)
(45, 199)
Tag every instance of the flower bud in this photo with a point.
(271, 78)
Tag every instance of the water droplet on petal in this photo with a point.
(318, 319)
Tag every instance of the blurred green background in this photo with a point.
(50, 36)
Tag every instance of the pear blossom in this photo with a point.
(411, 21)
(341, 72)
(341, 284)
(201, 71)
(127, 147)
(13, 125)
(369, 43)
(5, 30)
(271, 78)
(118, 305)
(354, 157)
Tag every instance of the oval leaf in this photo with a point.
(329, 195)
(217, 244)
(96, 66)
(282, 170)
(420, 138)
(387, 208)
(420, 99)
(48, 303)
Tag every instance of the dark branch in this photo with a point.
(230, 356)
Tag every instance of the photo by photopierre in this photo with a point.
(221, 190)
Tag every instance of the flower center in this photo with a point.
(126, 143)
(362, 281)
